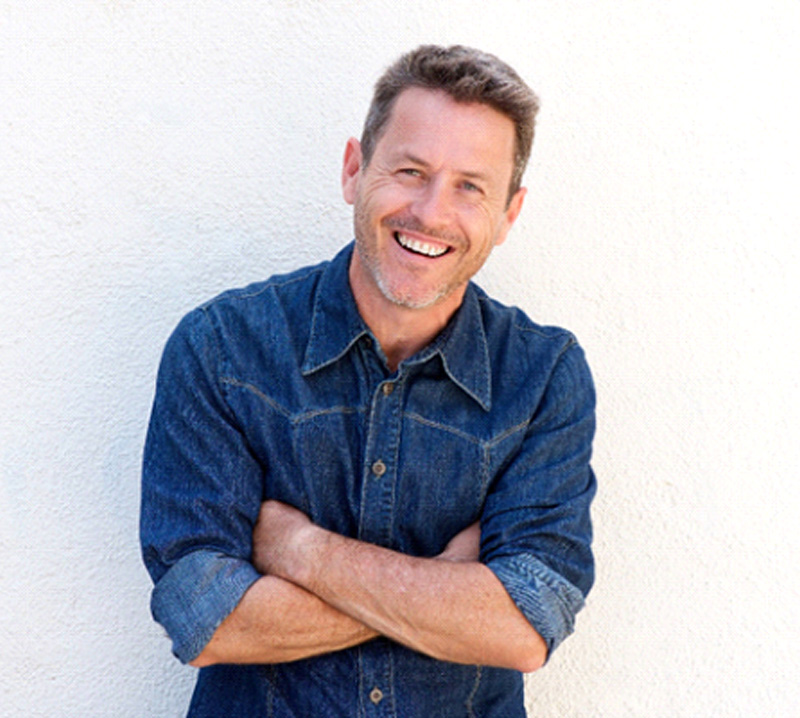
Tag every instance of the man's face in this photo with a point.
(433, 201)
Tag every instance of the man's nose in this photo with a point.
(433, 206)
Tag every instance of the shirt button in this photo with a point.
(379, 468)
(376, 695)
(388, 389)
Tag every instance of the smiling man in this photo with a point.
(366, 484)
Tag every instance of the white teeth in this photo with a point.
(420, 247)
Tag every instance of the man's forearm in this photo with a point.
(277, 621)
(451, 610)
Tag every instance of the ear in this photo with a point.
(511, 214)
(351, 169)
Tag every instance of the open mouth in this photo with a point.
(418, 247)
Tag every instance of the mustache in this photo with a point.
(410, 223)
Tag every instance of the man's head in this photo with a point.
(435, 180)
(466, 75)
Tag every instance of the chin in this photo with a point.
(411, 299)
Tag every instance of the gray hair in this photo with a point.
(466, 75)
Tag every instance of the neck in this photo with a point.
(401, 331)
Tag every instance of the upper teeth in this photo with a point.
(420, 247)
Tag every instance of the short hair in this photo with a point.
(466, 75)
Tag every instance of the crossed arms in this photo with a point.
(322, 592)
(241, 581)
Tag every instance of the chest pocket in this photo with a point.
(316, 464)
(441, 485)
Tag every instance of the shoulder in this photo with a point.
(509, 327)
(527, 356)
(287, 288)
(263, 314)
(279, 300)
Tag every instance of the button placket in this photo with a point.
(376, 679)
(376, 522)
(383, 433)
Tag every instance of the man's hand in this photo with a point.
(277, 620)
(450, 607)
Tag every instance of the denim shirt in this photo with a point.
(279, 391)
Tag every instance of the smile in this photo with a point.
(419, 247)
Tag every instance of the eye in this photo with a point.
(411, 172)
(471, 187)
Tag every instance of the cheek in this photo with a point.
(380, 202)
(480, 223)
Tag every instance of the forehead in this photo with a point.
(431, 126)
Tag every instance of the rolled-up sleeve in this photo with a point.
(536, 529)
(195, 595)
(201, 493)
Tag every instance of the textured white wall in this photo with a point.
(152, 154)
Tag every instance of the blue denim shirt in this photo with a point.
(280, 391)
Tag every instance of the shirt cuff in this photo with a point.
(546, 599)
(196, 595)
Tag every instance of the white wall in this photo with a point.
(154, 153)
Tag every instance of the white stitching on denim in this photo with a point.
(293, 418)
(471, 697)
(488, 443)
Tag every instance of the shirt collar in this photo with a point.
(465, 350)
(335, 322)
(336, 326)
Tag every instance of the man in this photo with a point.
(366, 484)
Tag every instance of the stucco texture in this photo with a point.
(155, 153)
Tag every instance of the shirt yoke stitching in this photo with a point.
(294, 418)
(247, 386)
(487, 443)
